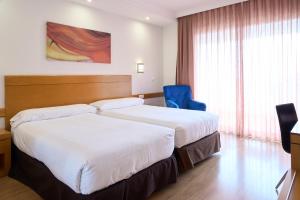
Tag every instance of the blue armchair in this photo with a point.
(180, 96)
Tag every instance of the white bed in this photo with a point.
(89, 152)
(189, 125)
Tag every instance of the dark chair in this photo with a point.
(180, 96)
(287, 117)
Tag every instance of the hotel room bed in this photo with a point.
(86, 156)
(196, 132)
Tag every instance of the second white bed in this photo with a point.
(189, 125)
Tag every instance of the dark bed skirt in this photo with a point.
(140, 186)
(191, 154)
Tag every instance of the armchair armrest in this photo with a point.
(195, 105)
(171, 104)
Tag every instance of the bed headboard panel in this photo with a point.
(25, 92)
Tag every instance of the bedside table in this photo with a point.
(5, 152)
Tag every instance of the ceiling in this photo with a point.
(161, 12)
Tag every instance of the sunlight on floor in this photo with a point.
(244, 169)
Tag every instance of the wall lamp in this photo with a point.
(140, 67)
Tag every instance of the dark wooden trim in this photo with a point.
(2, 112)
(153, 95)
(150, 95)
(287, 187)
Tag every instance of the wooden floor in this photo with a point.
(244, 169)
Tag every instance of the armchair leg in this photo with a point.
(280, 182)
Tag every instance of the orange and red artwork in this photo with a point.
(69, 43)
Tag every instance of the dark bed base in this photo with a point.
(140, 186)
(191, 154)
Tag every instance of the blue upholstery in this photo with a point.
(180, 96)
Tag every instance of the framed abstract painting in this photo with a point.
(69, 43)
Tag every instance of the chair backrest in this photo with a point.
(181, 94)
(287, 117)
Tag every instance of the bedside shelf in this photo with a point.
(5, 152)
(2, 161)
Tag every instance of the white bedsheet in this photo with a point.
(189, 125)
(89, 152)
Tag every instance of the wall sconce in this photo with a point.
(140, 67)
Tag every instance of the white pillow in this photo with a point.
(38, 114)
(117, 103)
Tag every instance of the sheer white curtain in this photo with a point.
(271, 75)
(250, 65)
(216, 76)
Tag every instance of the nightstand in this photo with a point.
(5, 152)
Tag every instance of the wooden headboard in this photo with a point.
(25, 92)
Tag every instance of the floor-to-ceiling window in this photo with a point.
(245, 66)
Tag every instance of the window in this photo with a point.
(242, 76)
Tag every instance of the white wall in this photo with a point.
(169, 53)
(23, 42)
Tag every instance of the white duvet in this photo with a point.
(189, 125)
(89, 152)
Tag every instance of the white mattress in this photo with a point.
(89, 152)
(189, 125)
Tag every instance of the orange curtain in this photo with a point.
(185, 55)
(245, 61)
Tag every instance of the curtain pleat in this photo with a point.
(185, 56)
